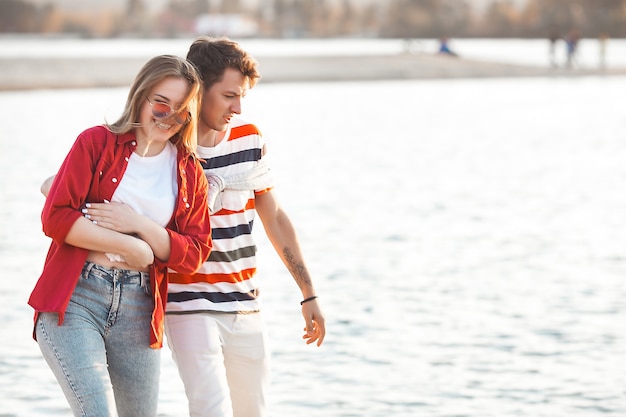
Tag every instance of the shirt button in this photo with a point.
(134, 143)
(114, 179)
(126, 158)
(187, 205)
(185, 199)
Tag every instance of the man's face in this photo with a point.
(223, 100)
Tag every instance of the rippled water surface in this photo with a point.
(467, 238)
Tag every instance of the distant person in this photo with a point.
(571, 45)
(444, 47)
(129, 202)
(214, 323)
(553, 39)
(603, 40)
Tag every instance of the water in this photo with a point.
(533, 52)
(466, 238)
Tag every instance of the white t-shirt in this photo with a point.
(150, 187)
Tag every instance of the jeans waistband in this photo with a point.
(116, 275)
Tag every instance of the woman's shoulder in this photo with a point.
(192, 168)
(101, 135)
(99, 132)
(186, 159)
(94, 138)
(98, 129)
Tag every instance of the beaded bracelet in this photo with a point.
(308, 299)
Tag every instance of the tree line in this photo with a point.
(331, 18)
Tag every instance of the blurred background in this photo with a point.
(314, 18)
(462, 213)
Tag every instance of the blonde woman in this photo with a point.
(128, 203)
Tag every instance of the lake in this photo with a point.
(532, 52)
(467, 239)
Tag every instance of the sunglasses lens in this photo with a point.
(182, 117)
(161, 110)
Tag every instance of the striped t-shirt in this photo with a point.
(227, 281)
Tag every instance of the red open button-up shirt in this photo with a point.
(91, 172)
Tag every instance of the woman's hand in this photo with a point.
(113, 216)
(121, 218)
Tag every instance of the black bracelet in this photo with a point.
(308, 299)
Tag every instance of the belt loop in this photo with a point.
(87, 268)
(145, 279)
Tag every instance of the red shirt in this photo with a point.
(91, 172)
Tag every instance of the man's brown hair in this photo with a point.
(212, 56)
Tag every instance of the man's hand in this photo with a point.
(315, 328)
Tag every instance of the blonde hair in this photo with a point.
(152, 73)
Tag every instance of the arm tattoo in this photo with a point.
(297, 269)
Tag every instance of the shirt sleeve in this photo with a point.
(70, 188)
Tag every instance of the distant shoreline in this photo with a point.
(72, 72)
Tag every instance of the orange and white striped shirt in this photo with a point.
(227, 281)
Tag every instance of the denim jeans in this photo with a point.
(101, 354)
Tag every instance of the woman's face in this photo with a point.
(161, 115)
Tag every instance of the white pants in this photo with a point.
(223, 360)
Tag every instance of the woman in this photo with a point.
(129, 202)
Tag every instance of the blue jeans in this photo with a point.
(101, 354)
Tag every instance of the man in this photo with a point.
(213, 324)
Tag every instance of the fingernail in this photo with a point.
(84, 210)
(88, 205)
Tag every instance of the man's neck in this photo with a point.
(209, 137)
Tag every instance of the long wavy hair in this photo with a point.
(152, 73)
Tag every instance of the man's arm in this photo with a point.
(282, 235)
(45, 186)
